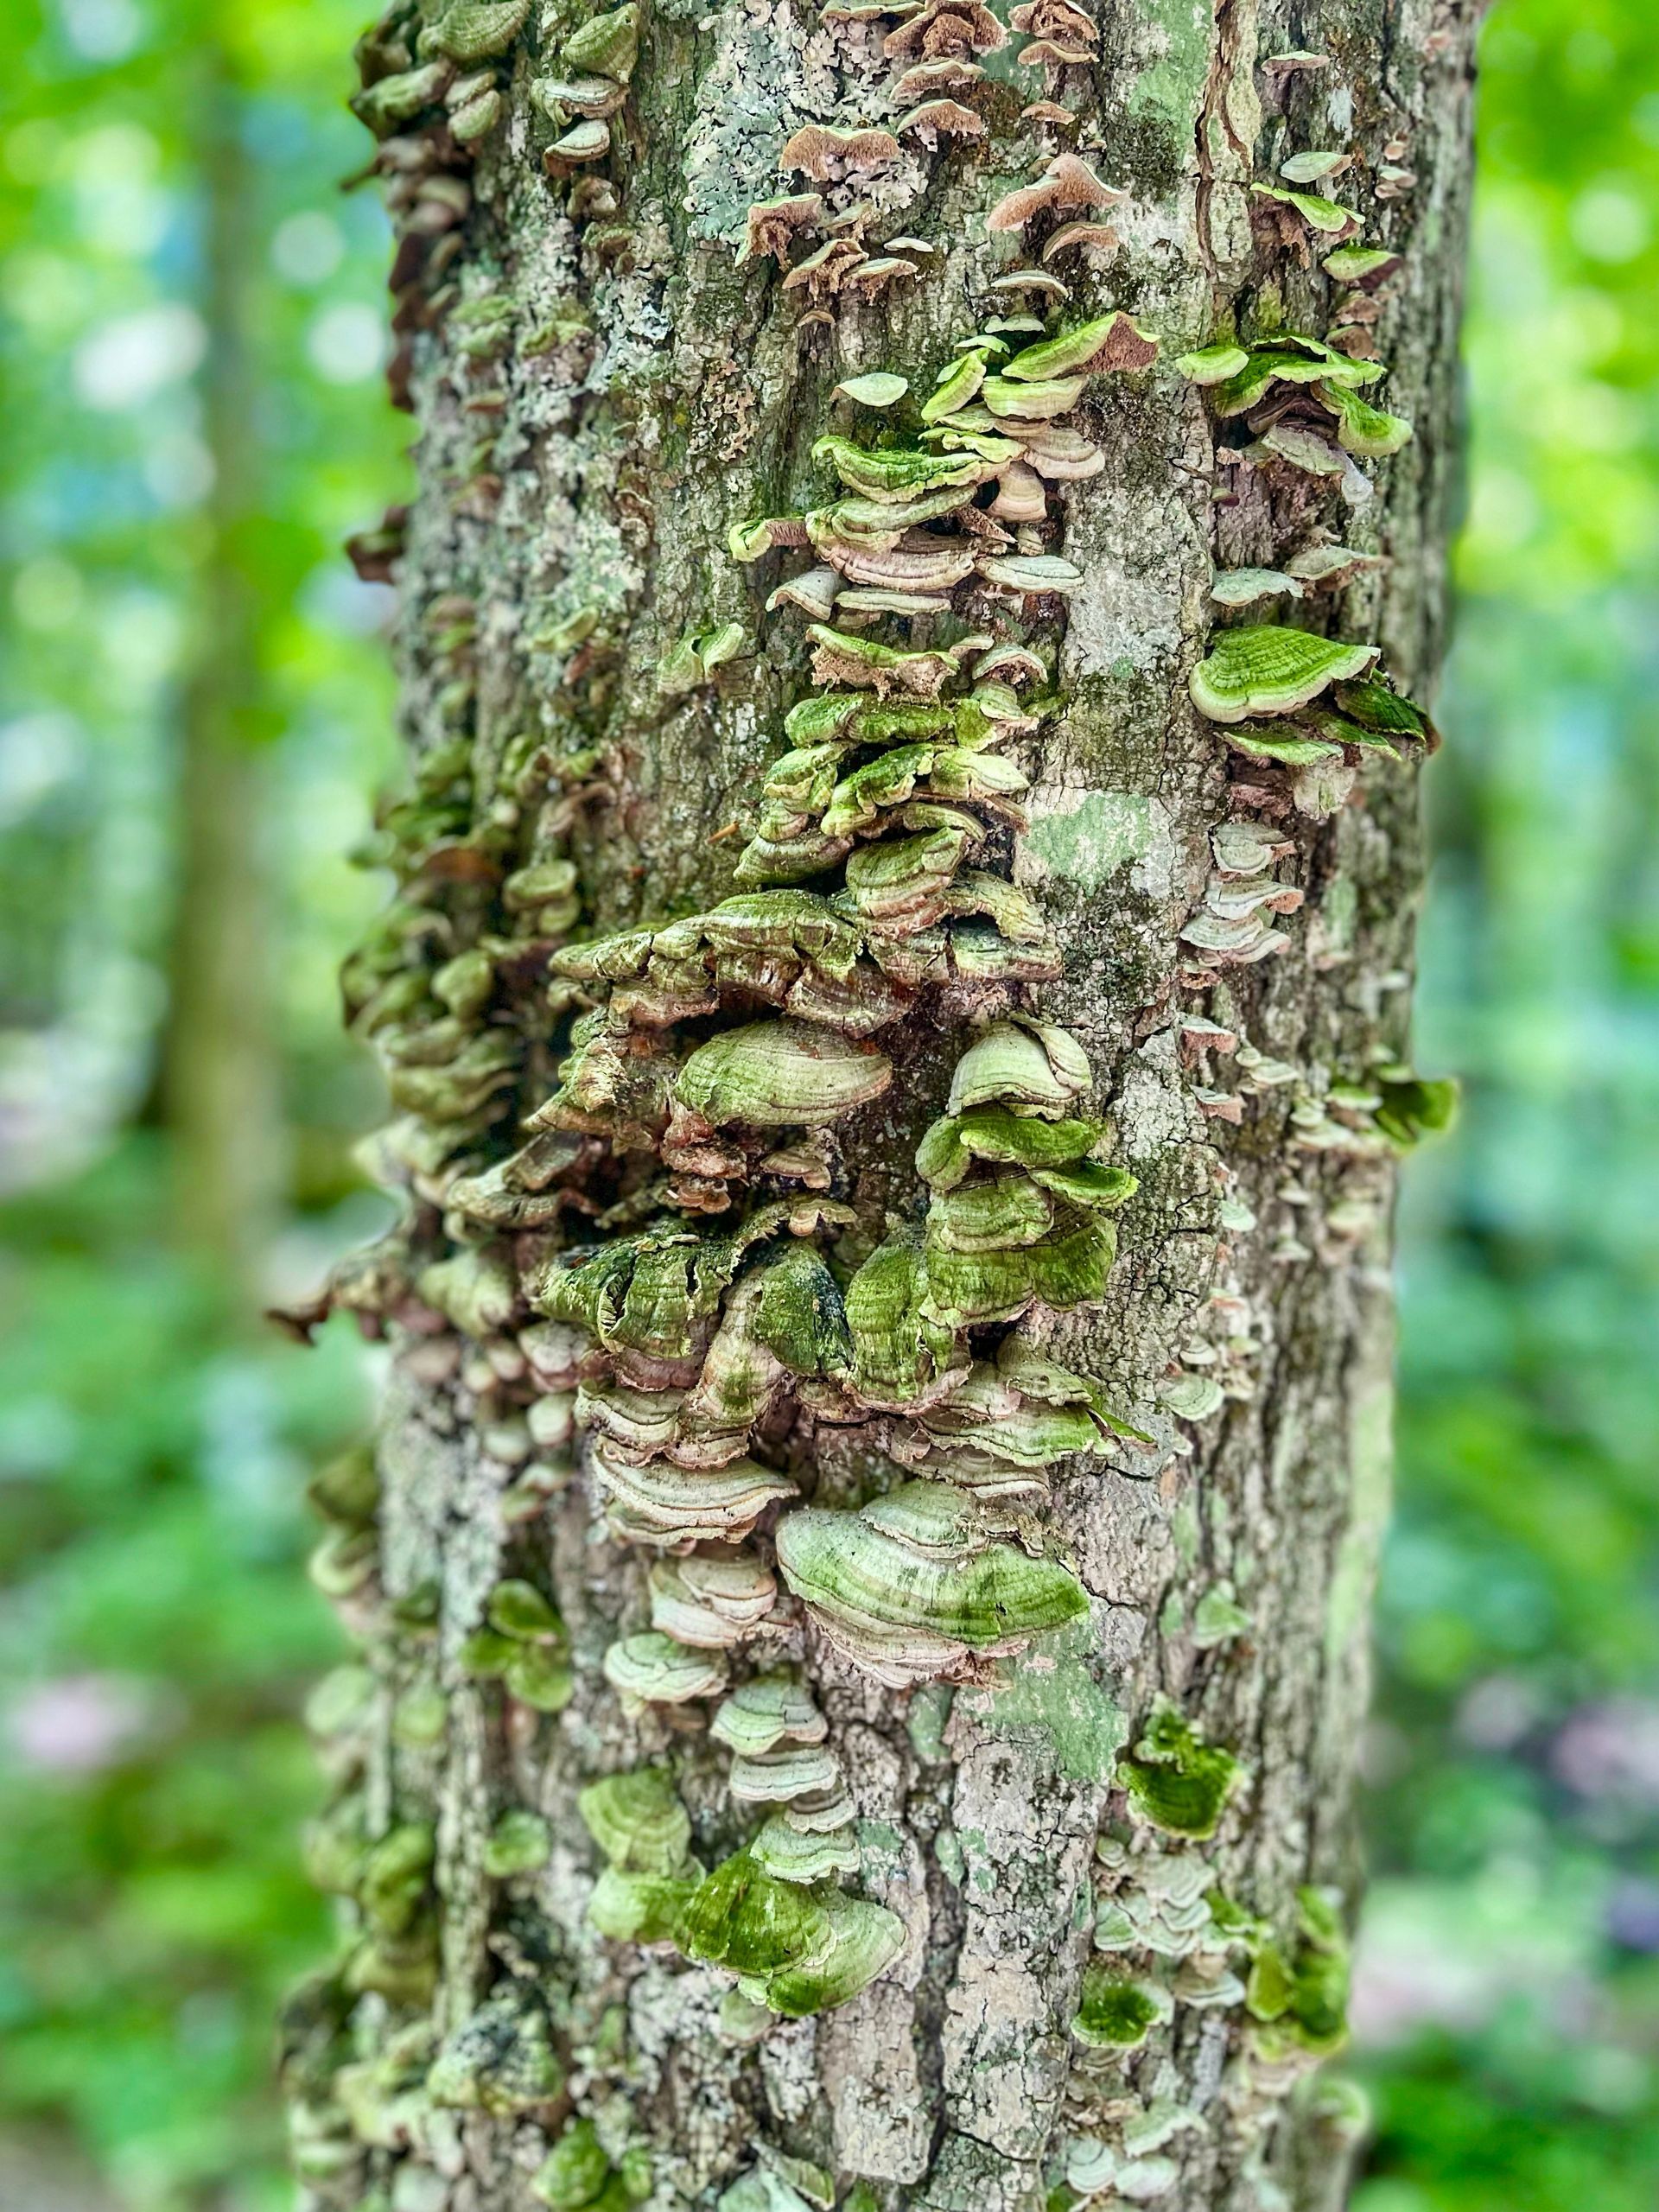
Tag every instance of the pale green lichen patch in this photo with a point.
(1052, 1692)
(1175, 33)
(576, 2173)
(502, 2060)
(519, 1843)
(1104, 833)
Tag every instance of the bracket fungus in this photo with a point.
(782, 1074)
(827, 155)
(795, 1950)
(652, 1668)
(907, 1615)
(1067, 183)
(1320, 215)
(1115, 2014)
(1266, 669)
(641, 1825)
(945, 30)
(1174, 1779)
(1301, 396)
(766, 1712)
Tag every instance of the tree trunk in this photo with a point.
(860, 1707)
(220, 1086)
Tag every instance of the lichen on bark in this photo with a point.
(894, 1010)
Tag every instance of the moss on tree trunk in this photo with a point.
(860, 1691)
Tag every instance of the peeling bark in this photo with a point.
(594, 692)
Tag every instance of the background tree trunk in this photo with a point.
(220, 1084)
(603, 391)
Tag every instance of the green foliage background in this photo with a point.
(157, 1634)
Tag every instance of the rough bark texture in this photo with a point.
(585, 445)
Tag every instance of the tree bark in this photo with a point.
(1095, 1697)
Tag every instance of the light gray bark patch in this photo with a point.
(881, 2113)
(1050, 1699)
(1087, 837)
(970, 2176)
(1025, 1855)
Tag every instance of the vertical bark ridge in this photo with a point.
(859, 1689)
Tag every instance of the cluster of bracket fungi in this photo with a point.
(659, 1278)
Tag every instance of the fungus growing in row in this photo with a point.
(679, 1344)
(1243, 587)
(1294, 214)
(791, 1853)
(606, 45)
(1062, 31)
(772, 225)
(474, 30)
(641, 1825)
(652, 1668)
(713, 1597)
(1366, 267)
(1301, 398)
(879, 389)
(1328, 567)
(1312, 166)
(781, 1075)
(945, 30)
(777, 1777)
(767, 1712)
(941, 118)
(829, 155)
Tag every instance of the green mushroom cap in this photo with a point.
(1174, 1779)
(1117, 2014)
(1263, 669)
(638, 1821)
(846, 1568)
(781, 1075)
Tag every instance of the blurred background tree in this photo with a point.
(195, 707)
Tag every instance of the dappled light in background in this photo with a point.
(1508, 1992)
(158, 1636)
